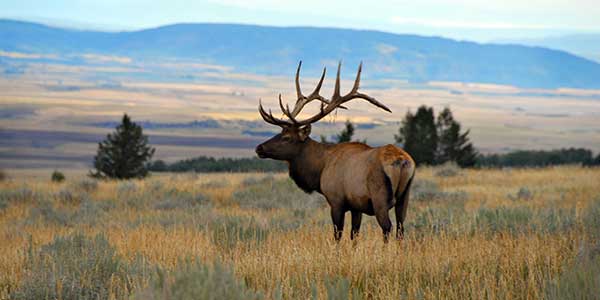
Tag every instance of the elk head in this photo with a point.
(295, 133)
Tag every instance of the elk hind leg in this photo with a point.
(337, 216)
(400, 209)
(356, 220)
(381, 206)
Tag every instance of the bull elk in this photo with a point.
(352, 176)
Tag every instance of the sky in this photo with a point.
(461, 19)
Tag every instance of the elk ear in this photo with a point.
(304, 132)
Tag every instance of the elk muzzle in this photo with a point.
(260, 151)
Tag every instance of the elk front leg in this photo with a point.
(356, 219)
(337, 216)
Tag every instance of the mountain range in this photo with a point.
(277, 50)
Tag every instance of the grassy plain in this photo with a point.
(471, 234)
(51, 99)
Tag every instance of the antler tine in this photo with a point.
(268, 117)
(327, 106)
(286, 110)
(357, 81)
(355, 94)
(298, 90)
(371, 100)
(315, 93)
(303, 100)
(336, 91)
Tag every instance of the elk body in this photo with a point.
(352, 176)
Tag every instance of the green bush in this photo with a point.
(197, 281)
(523, 194)
(581, 280)
(427, 190)
(438, 219)
(126, 188)
(513, 220)
(18, 195)
(87, 185)
(88, 212)
(182, 201)
(216, 184)
(269, 193)
(45, 211)
(338, 288)
(74, 267)
(449, 169)
(57, 176)
(591, 219)
(228, 231)
(556, 220)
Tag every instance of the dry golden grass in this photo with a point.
(447, 254)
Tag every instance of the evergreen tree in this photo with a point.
(452, 144)
(419, 137)
(346, 134)
(124, 153)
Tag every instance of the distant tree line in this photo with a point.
(210, 164)
(521, 158)
(125, 153)
(539, 158)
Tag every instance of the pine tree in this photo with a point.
(346, 134)
(124, 153)
(453, 145)
(418, 134)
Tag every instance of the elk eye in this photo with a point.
(286, 139)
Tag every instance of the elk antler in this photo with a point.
(327, 106)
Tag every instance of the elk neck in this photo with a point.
(307, 166)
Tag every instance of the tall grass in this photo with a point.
(476, 234)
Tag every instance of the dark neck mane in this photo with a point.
(306, 168)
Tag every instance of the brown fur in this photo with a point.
(352, 176)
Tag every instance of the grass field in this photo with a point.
(471, 234)
(50, 113)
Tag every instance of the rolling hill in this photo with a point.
(276, 51)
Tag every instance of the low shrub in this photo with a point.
(181, 200)
(438, 219)
(74, 267)
(87, 185)
(513, 220)
(228, 231)
(18, 195)
(126, 187)
(214, 184)
(427, 190)
(268, 193)
(338, 288)
(57, 176)
(449, 169)
(197, 281)
(522, 194)
(45, 211)
(579, 280)
(87, 213)
(591, 219)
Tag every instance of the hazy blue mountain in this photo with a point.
(586, 45)
(276, 50)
